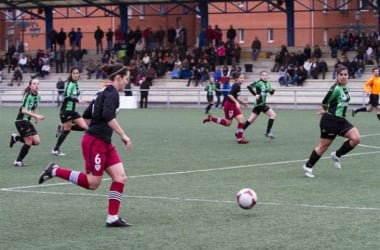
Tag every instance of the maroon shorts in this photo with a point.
(230, 110)
(98, 155)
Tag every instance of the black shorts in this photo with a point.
(260, 108)
(25, 128)
(210, 98)
(374, 100)
(66, 116)
(331, 126)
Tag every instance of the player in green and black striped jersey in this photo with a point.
(260, 90)
(334, 123)
(70, 118)
(27, 132)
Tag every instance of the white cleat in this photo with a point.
(336, 160)
(308, 172)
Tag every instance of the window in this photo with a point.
(343, 4)
(270, 35)
(241, 36)
(130, 13)
(142, 11)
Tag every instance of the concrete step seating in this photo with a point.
(166, 90)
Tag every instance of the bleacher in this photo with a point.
(168, 92)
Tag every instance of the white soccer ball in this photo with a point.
(246, 198)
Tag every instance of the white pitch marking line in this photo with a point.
(206, 200)
(195, 171)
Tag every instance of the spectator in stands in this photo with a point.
(335, 67)
(369, 55)
(195, 76)
(323, 68)
(218, 35)
(71, 36)
(307, 51)
(210, 35)
(78, 58)
(226, 87)
(78, 38)
(277, 63)
(231, 35)
(98, 35)
(237, 53)
(90, 68)
(45, 70)
(160, 37)
(221, 52)
(302, 75)
(61, 39)
(109, 38)
(59, 59)
(314, 69)
(171, 36)
(334, 46)
(69, 59)
(22, 62)
(360, 68)
(291, 75)
(17, 77)
(307, 66)
(256, 48)
(60, 85)
(317, 52)
(53, 36)
(283, 78)
(146, 83)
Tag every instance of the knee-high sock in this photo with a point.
(314, 157)
(246, 124)
(208, 108)
(344, 149)
(240, 130)
(61, 138)
(362, 109)
(72, 176)
(218, 120)
(23, 152)
(270, 124)
(114, 197)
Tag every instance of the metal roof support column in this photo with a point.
(290, 21)
(48, 25)
(203, 9)
(123, 17)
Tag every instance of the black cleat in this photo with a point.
(118, 223)
(12, 140)
(47, 173)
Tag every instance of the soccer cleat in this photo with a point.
(236, 135)
(269, 135)
(47, 173)
(57, 153)
(353, 113)
(59, 130)
(12, 140)
(336, 160)
(207, 119)
(243, 141)
(308, 172)
(19, 164)
(118, 223)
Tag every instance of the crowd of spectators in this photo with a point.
(154, 53)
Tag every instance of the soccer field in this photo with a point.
(183, 177)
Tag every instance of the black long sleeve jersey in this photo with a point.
(103, 109)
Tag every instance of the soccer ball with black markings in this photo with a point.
(246, 198)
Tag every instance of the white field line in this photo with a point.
(21, 189)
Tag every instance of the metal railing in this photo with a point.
(287, 97)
